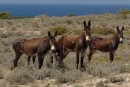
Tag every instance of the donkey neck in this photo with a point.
(115, 42)
(84, 43)
(46, 43)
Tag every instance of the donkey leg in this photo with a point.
(33, 59)
(61, 58)
(28, 59)
(82, 60)
(40, 60)
(17, 57)
(77, 59)
(51, 58)
(111, 56)
(90, 55)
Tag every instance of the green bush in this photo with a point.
(77, 31)
(123, 13)
(71, 15)
(95, 31)
(61, 29)
(102, 31)
(68, 21)
(5, 15)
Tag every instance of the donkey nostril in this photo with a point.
(121, 41)
(53, 51)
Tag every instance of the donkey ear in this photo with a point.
(122, 28)
(89, 23)
(117, 28)
(56, 33)
(84, 23)
(49, 34)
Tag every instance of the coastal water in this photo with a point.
(21, 10)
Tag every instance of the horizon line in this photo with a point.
(67, 3)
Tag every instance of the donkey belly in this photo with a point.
(30, 51)
(103, 49)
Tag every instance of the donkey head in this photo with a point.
(87, 30)
(52, 41)
(120, 33)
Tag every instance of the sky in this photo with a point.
(65, 1)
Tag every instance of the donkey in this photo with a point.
(32, 46)
(106, 44)
(74, 43)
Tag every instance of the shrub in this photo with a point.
(101, 84)
(102, 31)
(44, 73)
(77, 31)
(5, 15)
(68, 21)
(53, 23)
(35, 25)
(78, 86)
(70, 76)
(104, 69)
(124, 13)
(71, 15)
(114, 79)
(18, 33)
(97, 69)
(61, 29)
(34, 85)
(1, 74)
(123, 16)
(19, 77)
(3, 35)
(14, 86)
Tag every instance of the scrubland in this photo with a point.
(99, 73)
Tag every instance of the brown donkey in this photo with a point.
(74, 43)
(34, 46)
(106, 44)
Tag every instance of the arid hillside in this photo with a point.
(99, 73)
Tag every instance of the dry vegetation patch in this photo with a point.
(98, 69)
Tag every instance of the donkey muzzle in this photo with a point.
(53, 48)
(121, 40)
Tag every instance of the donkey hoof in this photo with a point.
(12, 68)
(82, 69)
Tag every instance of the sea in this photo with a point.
(31, 10)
